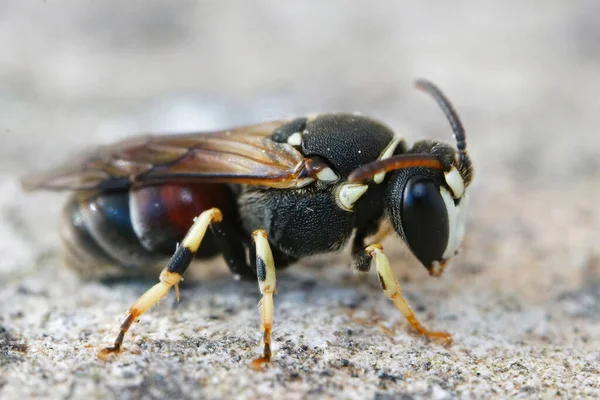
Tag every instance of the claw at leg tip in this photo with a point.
(105, 353)
(260, 363)
(177, 292)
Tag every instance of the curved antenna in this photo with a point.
(448, 109)
(396, 162)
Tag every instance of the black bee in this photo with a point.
(271, 194)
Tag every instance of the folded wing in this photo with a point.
(244, 155)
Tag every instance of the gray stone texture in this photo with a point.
(522, 299)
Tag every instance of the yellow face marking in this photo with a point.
(457, 221)
(456, 182)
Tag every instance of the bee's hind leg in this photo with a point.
(169, 277)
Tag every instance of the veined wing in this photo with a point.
(243, 155)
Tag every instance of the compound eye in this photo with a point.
(425, 220)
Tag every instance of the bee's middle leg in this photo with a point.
(265, 272)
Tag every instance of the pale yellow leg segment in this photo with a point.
(265, 270)
(393, 291)
(169, 277)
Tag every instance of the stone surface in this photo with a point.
(522, 300)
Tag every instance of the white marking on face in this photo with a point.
(348, 194)
(457, 221)
(456, 182)
(295, 139)
(327, 175)
(387, 153)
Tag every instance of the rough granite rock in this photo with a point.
(522, 299)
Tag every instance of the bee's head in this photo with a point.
(427, 208)
(426, 198)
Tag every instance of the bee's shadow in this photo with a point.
(290, 284)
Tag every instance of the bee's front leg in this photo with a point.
(392, 290)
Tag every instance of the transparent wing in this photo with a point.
(244, 155)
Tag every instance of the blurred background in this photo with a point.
(524, 78)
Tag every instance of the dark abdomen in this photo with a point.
(132, 233)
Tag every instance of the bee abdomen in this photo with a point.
(132, 233)
(80, 249)
(99, 238)
(161, 215)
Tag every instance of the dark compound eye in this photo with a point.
(425, 219)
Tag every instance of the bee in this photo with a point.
(263, 197)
